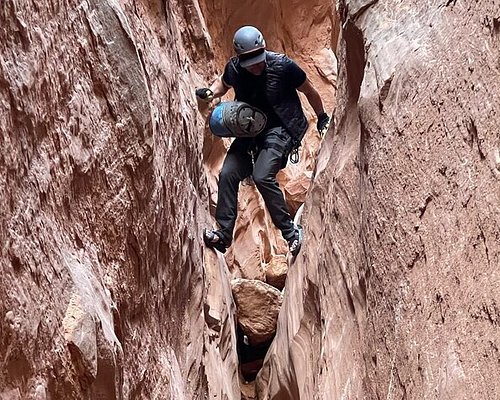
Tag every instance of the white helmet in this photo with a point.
(250, 46)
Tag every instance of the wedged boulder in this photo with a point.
(258, 306)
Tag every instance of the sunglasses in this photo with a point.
(248, 56)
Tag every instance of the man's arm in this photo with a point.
(312, 97)
(219, 88)
(315, 101)
(216, 90)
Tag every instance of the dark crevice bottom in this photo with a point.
(251, 357)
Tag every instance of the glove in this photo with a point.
(323, 123)
(204, 94)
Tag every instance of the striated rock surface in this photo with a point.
(105, 291)
(276, 271)
(395, 292)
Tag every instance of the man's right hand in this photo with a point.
(204, 94)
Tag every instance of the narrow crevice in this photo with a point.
(355, 59)
(423, 208)
(364, 189)
(483, 238)
(496, 26)
(251, 357)
(474, 137)
(363, 9)
(384, 92)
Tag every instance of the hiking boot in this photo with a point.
(295, 242)
(213, 240)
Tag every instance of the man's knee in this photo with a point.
(225, 175)
(228, 176)
(264, 180)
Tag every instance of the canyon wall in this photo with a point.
(103, 290)
(396, 292)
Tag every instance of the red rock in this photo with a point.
(258, 305)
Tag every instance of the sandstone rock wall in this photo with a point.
(396, 293)
(107, 175)
(103, 293)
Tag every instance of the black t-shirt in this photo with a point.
(295, 78)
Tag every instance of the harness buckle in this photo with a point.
(294, 156)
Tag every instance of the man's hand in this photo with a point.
(323, 123)
(204, 94)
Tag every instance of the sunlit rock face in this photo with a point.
(395, 294)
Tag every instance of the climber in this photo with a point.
(268, 81)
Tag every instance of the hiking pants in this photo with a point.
(272, 152)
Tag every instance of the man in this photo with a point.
(268, 81)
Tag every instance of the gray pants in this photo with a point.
(273, 147)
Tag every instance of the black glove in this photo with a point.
(323, 123)
(204, 94)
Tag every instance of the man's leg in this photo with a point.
(267, 165)
(237, 166)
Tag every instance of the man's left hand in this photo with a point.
(204, 94)
(323, 123)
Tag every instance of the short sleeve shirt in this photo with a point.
(257, 95)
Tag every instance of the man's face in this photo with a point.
(256, 69)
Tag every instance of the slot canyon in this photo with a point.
(109, 173)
